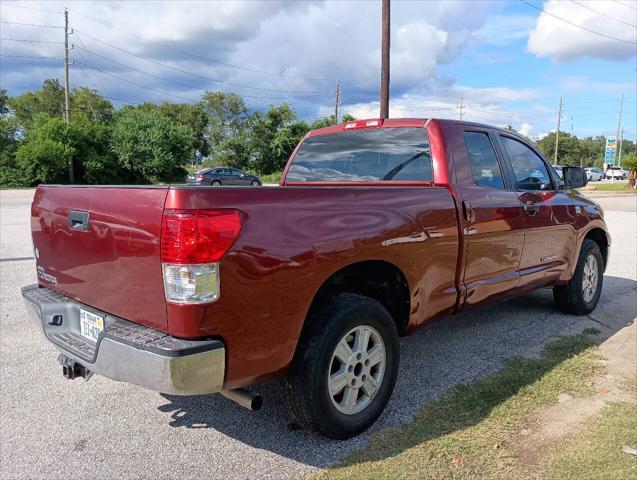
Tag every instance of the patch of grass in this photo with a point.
(597, 451)
(610, 187)
(466, 433)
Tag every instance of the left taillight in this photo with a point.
(193, 242)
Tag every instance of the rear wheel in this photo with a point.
(216, 183)
(581, 294)
(345, 371)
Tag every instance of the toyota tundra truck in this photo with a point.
(377, 228)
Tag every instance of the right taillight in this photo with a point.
(192, 244)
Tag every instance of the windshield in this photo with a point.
(374, 155)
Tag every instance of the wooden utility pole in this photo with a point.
(460, 109)
(384, 74)
(619, 126)
(67, 100)
(557, 133)
(338, 102)
(619, 147)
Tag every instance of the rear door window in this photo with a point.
(373, 155)
(484, 162)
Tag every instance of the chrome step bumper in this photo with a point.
(126, 351)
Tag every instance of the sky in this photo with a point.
(509, 61)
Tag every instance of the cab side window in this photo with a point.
(529, 169)
(484, 163)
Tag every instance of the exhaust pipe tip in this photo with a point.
(251, 401)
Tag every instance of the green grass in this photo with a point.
(610, 187)
(597, 451)
(467, 432)
(270, 178)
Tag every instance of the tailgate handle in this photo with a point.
(78, 220)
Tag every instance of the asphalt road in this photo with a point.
(54, 428)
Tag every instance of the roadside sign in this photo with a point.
(609, 153)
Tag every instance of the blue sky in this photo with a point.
(508, 61)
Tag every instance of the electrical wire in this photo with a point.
(24, 40)
(32, 57)
(171, 67)
(30, 24)
(576, 25)
(603, 14)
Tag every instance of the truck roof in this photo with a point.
(397, 122)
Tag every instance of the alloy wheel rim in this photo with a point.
(356, 369)
(590, 278)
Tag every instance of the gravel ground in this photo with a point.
(53, 428)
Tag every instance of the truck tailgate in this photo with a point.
(110, 260)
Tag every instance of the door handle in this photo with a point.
(468, 212)
(531, 209)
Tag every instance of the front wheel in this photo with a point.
(255, 183)
(581, 294)
(216, 183)
(345, 370)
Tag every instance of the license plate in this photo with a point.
(91, 325)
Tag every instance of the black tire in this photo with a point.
(216, 183)
(255, 183)
(306, 385)
(569, 298)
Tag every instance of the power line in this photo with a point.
(192, 100)
(194, 55)
(142, 57)
(603, 14)
(24, 40)
(624, 5)
(28, 56)
(576, 25)
(31, 24)
(176, 82)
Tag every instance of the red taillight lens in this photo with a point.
(198, 236)
(200, 177)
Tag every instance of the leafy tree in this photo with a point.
(227, 116)
(347, 118)
(9, 174)
(91, 104)
(48, 100)
(263, 130)
(149, 146)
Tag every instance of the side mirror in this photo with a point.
(574, 177)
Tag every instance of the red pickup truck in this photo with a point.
(377, 227)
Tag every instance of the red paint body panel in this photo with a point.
(293, 239)
(115, 266)
(457, 244)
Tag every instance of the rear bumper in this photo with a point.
(128, 352)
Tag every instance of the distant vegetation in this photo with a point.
(145, 143)
(149, 143)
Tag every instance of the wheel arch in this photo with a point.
(378, 279)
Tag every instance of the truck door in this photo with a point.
(493, 222)
(549, 215)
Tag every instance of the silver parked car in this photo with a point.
(218, 176)
(594, 174)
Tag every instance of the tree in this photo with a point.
(631, 164)
(227, 116)
(149, 146)
(91, 104)
(49, 100)
(9, 174)
(263, 131)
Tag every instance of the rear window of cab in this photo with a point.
(372, 155)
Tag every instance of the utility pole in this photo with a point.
(67, 101)
(557, 134)
(384, 74)
(619, 126)
(460, 108)
(338, 102)
(621, 140)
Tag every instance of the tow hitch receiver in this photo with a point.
(72, 370)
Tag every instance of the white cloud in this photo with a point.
(555, 38)
(525, 129)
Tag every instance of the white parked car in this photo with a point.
(594, 174)
(558, 170)
(615, 172)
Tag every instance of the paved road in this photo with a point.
(53, 428)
